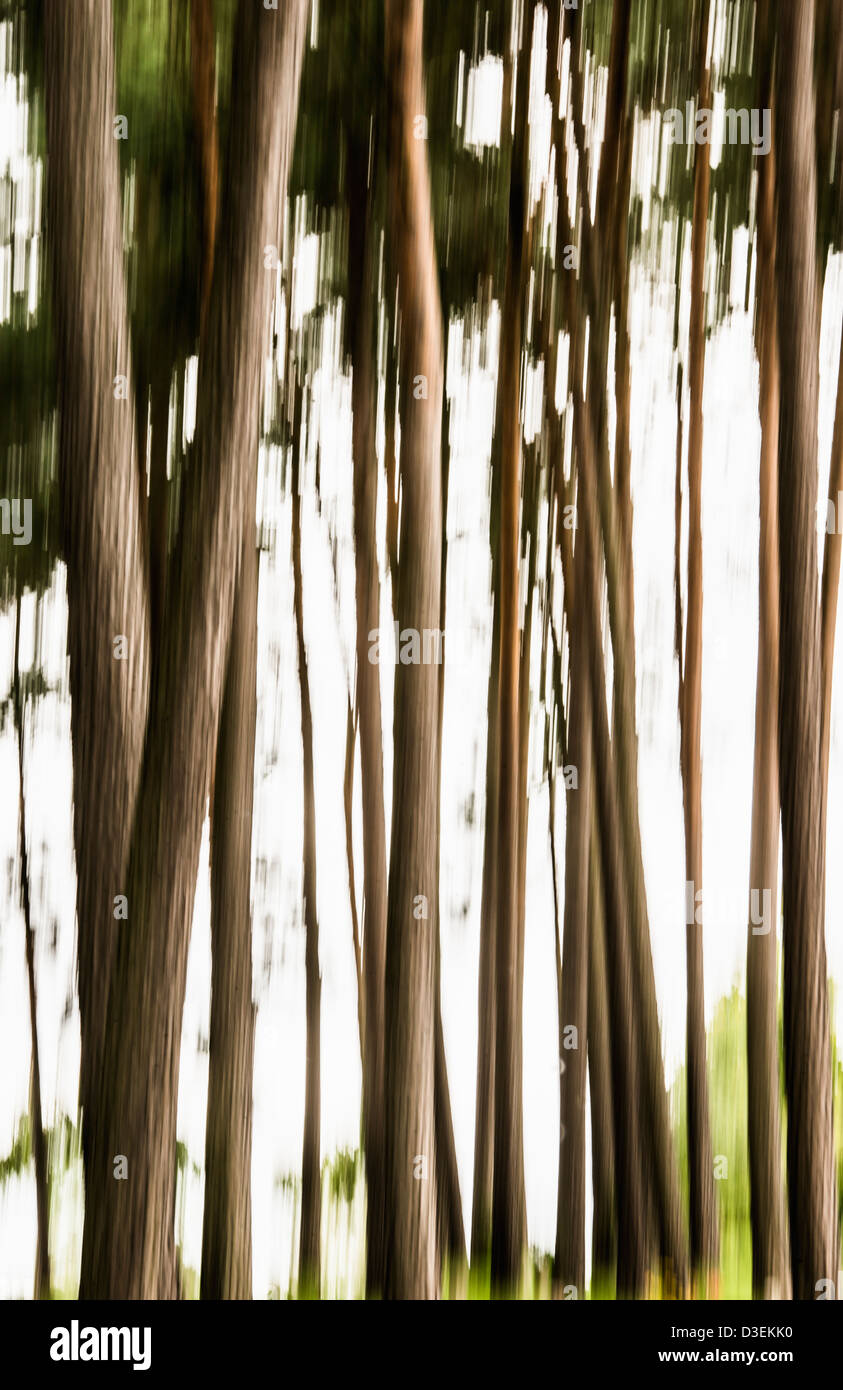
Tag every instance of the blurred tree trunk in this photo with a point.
(128, 1243)
(226, 1270)
(603, 1238)
(39, 1143)
(364, 412)
(810, 1148)
(411, 1245)
(573, 1023)
(770, 1270)
(509, 1217)
(227, 1221)
(311, 1199)
(481, 1209)
(703, 1207)
(451, 1230)
(103, 540)
(620, 758)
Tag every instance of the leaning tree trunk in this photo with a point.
(411, 1270)
(810, 1139)
(128, 1246)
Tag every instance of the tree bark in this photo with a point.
(810, 1146)
(411, 926)
(365, 467)
(704, 1233)
(103, 540)
(770, 1269)
(128, 1247)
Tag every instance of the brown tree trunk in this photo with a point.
(128, 1247)
(451, 1229)
(810, 1147)
(227, 1222)
(363, 406)
(481, 1208)
(770, 1268)
(311, 1197)
(704, 1234)
(411, 925)
(603, 1238)
(39, 1143)
(101, 507)
(569, 1267)
(509, 1215)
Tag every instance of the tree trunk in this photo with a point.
(770, 1270)
(481, 1208)
(363, 407)
(810, 1146)
(411, 925)
(128, 1247)
(227, 1221)
(39, 1144)
(703, 1208)
(311, 1195)
(103, 538)
(570, 1218)
(509, 1216)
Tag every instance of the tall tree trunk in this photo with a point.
(227, 1221)
(703, 1208)
(411, 926)
(770, 1269)
(128, 1247)
(364, 407)
(39, 1143)
(451, 1230)
(570, 1217)
(481, 1208)
(603, 1239)
(311, 1199)
(103, 538)
(509, 1215)
(810, 1140)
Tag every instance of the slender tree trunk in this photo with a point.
(810, 1141)
(39, 1143)
(481, 1209)
(311, 1202)
(411, 926)
(450, 1221)
(227, 1221)
(128, 1246)
(703, 1208)
(570, 1217)
(509, 1216)
(363, 407)
(603, 1238)
(770, 1269)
